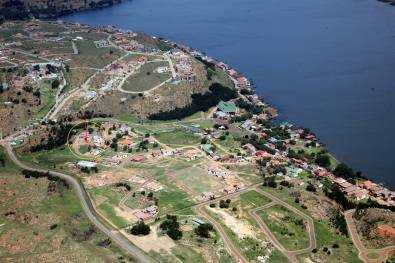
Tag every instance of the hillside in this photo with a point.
(22, 9)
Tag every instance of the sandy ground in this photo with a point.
(152, 241)
(239, 227)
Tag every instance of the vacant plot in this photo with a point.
(197, 179)
(288, 227)
(177, 137)
(253, 199)
(50, 159)
(90, 56)
(107, 199)
(146, 78)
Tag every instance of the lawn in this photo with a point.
(287, 227)
(178, 137)
(146, 78)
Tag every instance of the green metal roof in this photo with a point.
(228, 107)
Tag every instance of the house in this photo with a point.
(250, 148)
(86, 164)
(207, 148)
(263, 154)
(227, 107)
(137, 158)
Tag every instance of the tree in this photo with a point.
(203, 230)
(311, 188)
(342, 170)
(55, 84)
(171, 227)
(270, 181)
(323, 160)
(140, 229)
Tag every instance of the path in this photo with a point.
(363, 251)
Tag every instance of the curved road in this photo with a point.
(363, 251)
(86, 204)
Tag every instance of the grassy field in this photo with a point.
(177, 137)
(111, 197)
(288, 227)
(90, 56)
(47, 100)
(254, 199)
(44, 222)
(197, 179)
(146, 78)
(55, 158)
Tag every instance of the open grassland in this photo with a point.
(326, 235)
(53, 159)
(107, 198)
(250, 245)
(253, 199)
(177, 137)
(146, 78)
(288, 227)
(90, 56)
(42, 221)
(197, 179)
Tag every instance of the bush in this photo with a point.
(171, 227)
(140, 229)
(203, 230)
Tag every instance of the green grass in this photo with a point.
(283, 223)
(277, 257)
(197, 179)
(50, 159)
(109, 213)
(47, 100)
(146, 78)
(178, 137)
(9, 166)
(84, 149)
(90, 56)
(186, 254)
(249, 247)
(254, 199)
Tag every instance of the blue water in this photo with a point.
(326, 65)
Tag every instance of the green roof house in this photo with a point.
(227, 107)
(208, 148)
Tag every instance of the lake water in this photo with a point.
(326, 65)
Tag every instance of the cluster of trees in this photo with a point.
(203, 230)
(140, 229)
(57, 137)
(224, 203)
(248, 106)
(36, 174)
(338, 221)
(171, 227)
(200, 102)
(270, 181)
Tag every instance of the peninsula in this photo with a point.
(121, 146)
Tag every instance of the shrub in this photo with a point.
(140, 229)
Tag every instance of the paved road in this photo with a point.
(363, 251)
(86, 204)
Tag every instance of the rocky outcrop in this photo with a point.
(23, 9)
